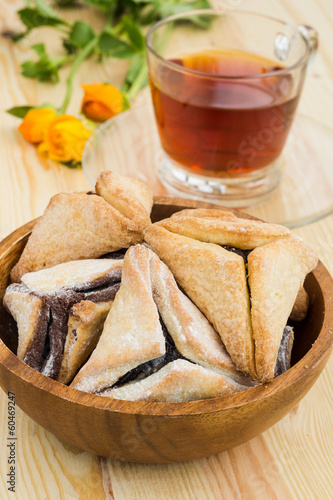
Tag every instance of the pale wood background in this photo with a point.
(291, 460)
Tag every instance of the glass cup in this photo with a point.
(225, 87)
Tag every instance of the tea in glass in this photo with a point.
(225, 88)
(215, 126)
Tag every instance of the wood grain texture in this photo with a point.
(290, 460)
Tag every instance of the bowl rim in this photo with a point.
(298, 371)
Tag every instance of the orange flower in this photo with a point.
(65, 139)
(35, 124)
(101, 101)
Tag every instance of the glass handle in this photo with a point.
(311, 35)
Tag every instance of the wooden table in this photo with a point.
(291, 460)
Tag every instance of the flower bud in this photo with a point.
(101, 101)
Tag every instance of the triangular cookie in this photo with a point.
(276, 271)
(77, 275)
(31, 314)
(60, 311)
(193, 335)
(129, 196)
(132, 333)
(178, 381)
(223, 228)
(84, 225)
(85, 325)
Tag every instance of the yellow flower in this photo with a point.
(35, 124)
(65, 139)
(101, 101)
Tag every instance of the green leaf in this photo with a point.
(32, 18)
(149, 16)
(134, 33)
(142, 1)
(104, 5)
(46, 10)
(45, 69)
(40, 50)
(19, 111)
(81, 34)
(155, 10)
(66, 3)
(169, 8)
(203, 22)
(114, 47)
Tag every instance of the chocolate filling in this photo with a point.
(46, 351)
(149, 367)
(243, 253)
(109, 279)
(57, 332)
(119, 254)
(102, 294)
(284, 354)
(34, 355)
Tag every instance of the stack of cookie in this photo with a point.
(191, 307)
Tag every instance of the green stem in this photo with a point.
(138, 82)
(85, 52)
(61, 60)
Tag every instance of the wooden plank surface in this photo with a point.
(291, 460)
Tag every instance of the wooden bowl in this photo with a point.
(164, 432)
